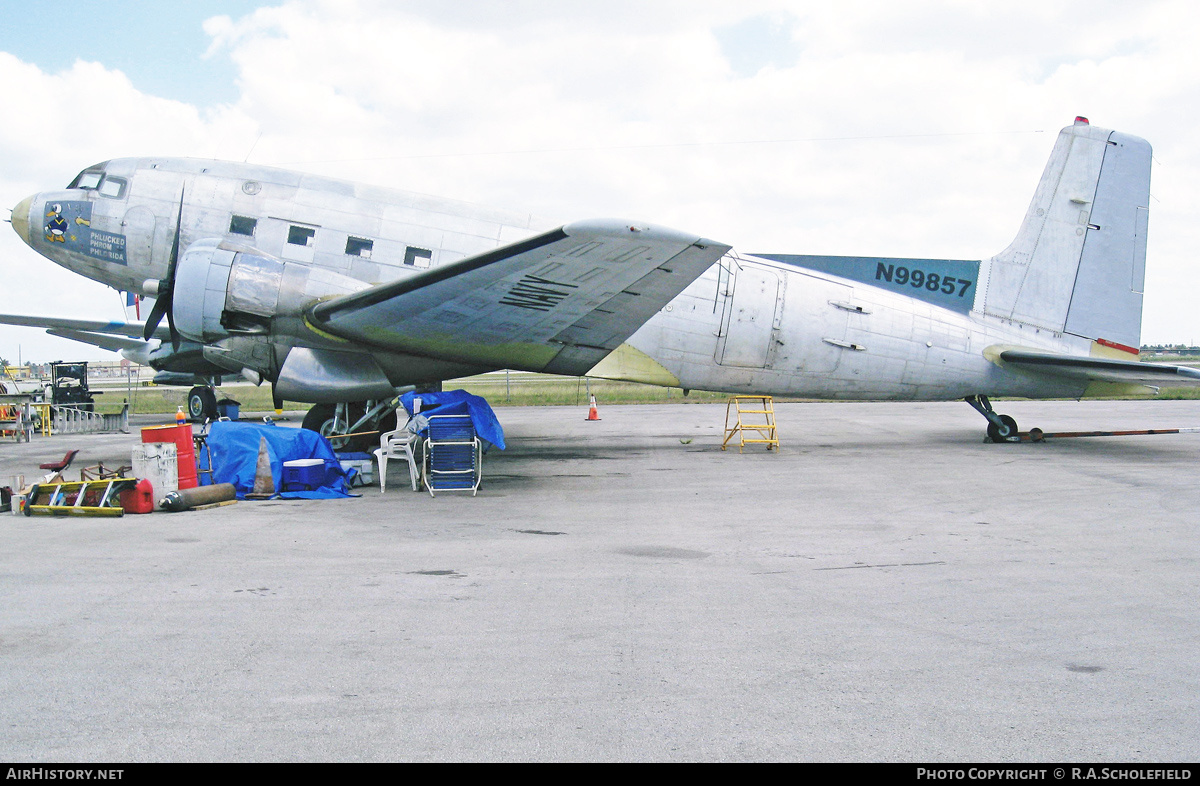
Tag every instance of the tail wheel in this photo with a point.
(1007, 432)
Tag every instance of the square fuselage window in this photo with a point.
(417, 257)
(243, 225)
(301, 236)
(359, 247)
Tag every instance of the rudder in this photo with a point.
(1077, 264)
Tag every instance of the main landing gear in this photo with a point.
(352, 426)
(357, 425)
(1001, 428)
(201, 404)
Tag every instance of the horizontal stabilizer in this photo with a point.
(1102, 369)
(557, 302)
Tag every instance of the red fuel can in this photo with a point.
(139, 499)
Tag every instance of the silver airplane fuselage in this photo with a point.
(122, 216)
(801, 326)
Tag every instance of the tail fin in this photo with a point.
(1078, 262)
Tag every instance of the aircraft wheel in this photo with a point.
(316, 416)
(201, 404)
(1007, 433)
(386, 423)
(321, 420)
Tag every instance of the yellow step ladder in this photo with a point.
(85, 498)
(763, 424)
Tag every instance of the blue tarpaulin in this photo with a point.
(460, 402)
(234, 448)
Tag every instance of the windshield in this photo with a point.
(94, 179)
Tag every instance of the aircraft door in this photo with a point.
(748, 332)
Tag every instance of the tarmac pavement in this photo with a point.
(885, 587)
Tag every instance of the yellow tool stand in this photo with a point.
(762, 422)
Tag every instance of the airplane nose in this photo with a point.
(20, 218)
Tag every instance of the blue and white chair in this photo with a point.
(453, 455)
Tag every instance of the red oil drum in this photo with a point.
(185, 449)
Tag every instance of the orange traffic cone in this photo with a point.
(593, 414)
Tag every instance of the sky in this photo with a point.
(908, 129)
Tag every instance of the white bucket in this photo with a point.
(157, 463)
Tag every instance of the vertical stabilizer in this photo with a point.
(1078, 262)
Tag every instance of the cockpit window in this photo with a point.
(94, 179)
(112, 187)
(88, 180)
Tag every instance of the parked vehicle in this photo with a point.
(69, 386)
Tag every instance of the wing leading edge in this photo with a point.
(558, 302)
(111, 328)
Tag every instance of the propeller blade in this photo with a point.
(175, 241)
(174, 332)
(156, 314)
(166, 288)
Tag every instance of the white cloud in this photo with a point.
(427, 96)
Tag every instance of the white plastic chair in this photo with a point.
(398, 444)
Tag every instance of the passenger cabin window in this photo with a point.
(417, 257)
(242, 225)
(301, 236)
(359, 247)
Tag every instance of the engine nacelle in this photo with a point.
(222, 289)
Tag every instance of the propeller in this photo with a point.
(164, 292)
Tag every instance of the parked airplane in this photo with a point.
(340, 294)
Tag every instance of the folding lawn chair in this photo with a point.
(453, 455)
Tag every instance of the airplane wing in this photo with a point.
(558, 302)
(1102, 369)
(103, 340)
(111, 328)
